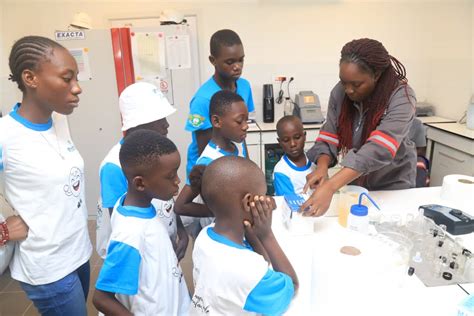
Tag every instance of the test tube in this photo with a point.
(396, 219)
(437, 267)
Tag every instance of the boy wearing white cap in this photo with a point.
(142, 106)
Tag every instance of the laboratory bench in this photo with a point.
(371, 283)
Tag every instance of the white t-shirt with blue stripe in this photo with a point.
(232, 279)
(141, 266)
(289, 178)
(43, 177)
(113, 184)
(210, 153)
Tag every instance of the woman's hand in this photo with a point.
(320, 200)
(17, 228)
(318, 203)
(316, 178)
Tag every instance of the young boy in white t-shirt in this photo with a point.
(141, 274)
(289, 174)
(230, 273)
(228, 115)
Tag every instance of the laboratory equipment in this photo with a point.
(288, 107)
(457, 222)
(424, 109)
(294, 220)
(294, 201)
(308, 108)
(436, 258)
(268, 104)
(348, 195)
(358, 219)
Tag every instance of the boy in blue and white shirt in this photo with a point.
(141, 274)
(228, 115)
(231, 275)
(289, 174)
(142, 106)
(227, 57)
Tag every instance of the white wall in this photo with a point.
(434, 39)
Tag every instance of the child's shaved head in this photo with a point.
(289, 119)
(226, 181)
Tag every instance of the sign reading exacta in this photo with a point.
(69, 35)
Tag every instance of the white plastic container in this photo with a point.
(358, 219)
(295, 222)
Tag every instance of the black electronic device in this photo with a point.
(456, 221)
(268, 104)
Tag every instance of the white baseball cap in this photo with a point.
(142, 103)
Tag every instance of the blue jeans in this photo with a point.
(64, 297)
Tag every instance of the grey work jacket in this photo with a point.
(387, 160)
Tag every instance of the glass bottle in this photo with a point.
(288, 107)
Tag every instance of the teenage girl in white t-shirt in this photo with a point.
(43, 177)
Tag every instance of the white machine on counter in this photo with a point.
(308, 107)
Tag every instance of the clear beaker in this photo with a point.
(348, 196)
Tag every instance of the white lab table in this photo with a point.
(332, 283)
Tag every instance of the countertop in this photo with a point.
(454, 128)
(270, 127)
(253, 127)
(434, 119)
(369, 284)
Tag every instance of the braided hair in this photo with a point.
(371, 57)
(27, 53)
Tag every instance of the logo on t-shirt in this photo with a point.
(164, 211)
(198, 303)
(196, 120)
(70, 146)
(74, 185)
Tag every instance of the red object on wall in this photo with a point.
(122, 50)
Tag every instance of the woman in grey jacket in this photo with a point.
(370, 112)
